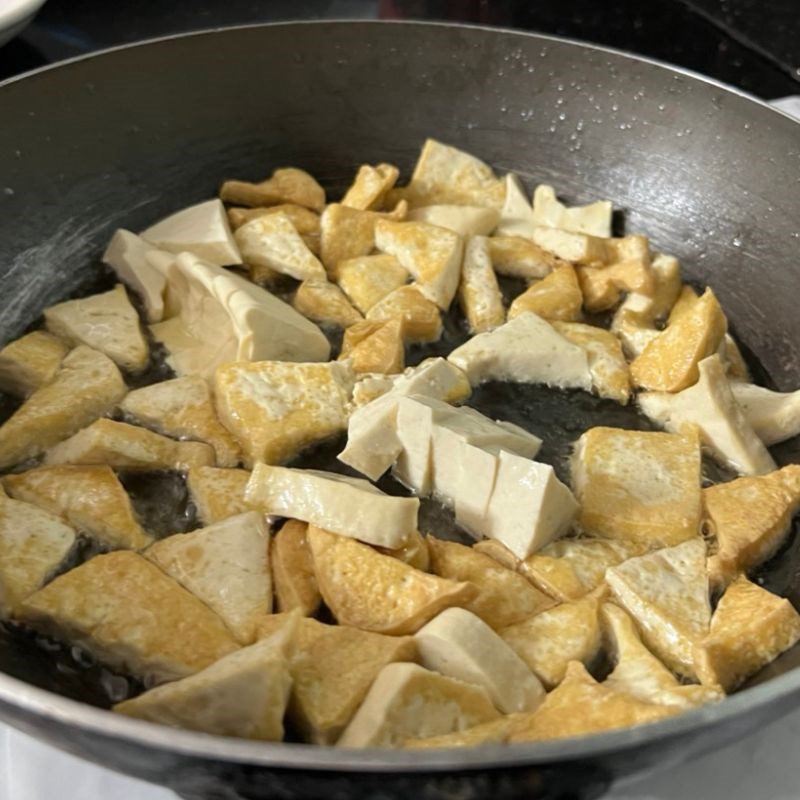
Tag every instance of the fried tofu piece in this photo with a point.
(368, 279)
(695, 330)
(124, 446)
(407, 701)
(479, 294)
(750, 628)
(593, 219)
(580, 706)
(90, 499)
(750, 518)
(217, 493)
(305, 221)
(498, 552)
(414, 552)
(333, 667)
(519, 257)
(638, 486)
(774, 416)
(420, 317)
(131, 616)
(286, 185)
(710, 406)
(370, 186)
(375, 346)
(463, 220)
(183, 408)
(556, 297)
(244, 694)
(106, 322)
(359, 586)
(293, 570)
(277, 408)
(548, 641)
(666, 592)
(607, 365)
(578, 248)
(504, 597)
(86, 386)
(494, 732)
(325, 303)
(33, 545)
(516, 216)
(639, 673)
(30, 362)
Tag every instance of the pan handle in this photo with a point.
(789, 105)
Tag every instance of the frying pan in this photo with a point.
(122, 137)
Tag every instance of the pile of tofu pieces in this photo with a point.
(309, 601)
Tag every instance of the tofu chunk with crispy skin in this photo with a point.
(516, 216)
(368, 279)
(420, 317)
(578, 248)
(368, 190)
(556, 297)
(494, 732)
(305, 221)
(285, 185)
(593, 219)
(30, 362)
(479, 294)
(519, 257)
(325, 303)
(463, 220)
(375, 346)
(293, 570)
(217, 493)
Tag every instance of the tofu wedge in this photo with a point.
(593, 219)
(557, 296)
(420, 317)
(463, 220)
(578, 248)
(368, 190)
(516, 216)
(217, 493)
(285, 185)
(479, 294)
(30, 362)
(368, 279)
(774, 416)
(519, 257)
(324, 303)
(374, 347)
(494, 732)
(293, 570)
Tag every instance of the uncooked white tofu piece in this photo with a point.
(516, 216)
(460, 645)
(126, 254)
(106, 322)
(594, 219)
(201, 229)
(30, 362)
(710, 405)
(347, 506)
(436, 378)
(407, 701)
(527, 349)
(225, 565)
(774, 416)
(463, 220)
(479, 293)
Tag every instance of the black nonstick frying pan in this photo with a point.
(125, 136)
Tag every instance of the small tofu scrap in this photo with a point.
(695, 331)
(421, 320)
(277, 408)
(750, 628)
(556, 297)
(106, 322)
(516, 216)
(90, 499)
(594, 219)
(325, 303)
(548, 641)
(414, 552)
(638, 486)
(87, 385)
(184, 409)
(139, 620)
(346, 506)
(710, 406)
(519, 257)
(666, 592)
(286, 185)
(375, 346)
(124, 446)
(217, 493)
(293, 570)
(244, 694)
(774, 416)
(432, 256)
(479, 294)
(579, 248)
(750, 518)
(370, 186)
(226, 566)
(580, 706)
(494, 732)
(407, 701)
(30, 362)
(33, 545)
(368, 279)
(463, 220)
(375, 592)
(504, 597)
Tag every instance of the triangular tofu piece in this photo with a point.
(432, 256)
(33, 544)
(639, 673)
(580, 706)
(183, 408)
(333, 667)
(277, 408)
(87, 385)
(131, 616)
(201, 229)
(494, 732)
(774, 416)
(407, 701)
(305, 221)
(30, 362)
(504, 597)
(370, 186)
(578, 248)
(463, 220)
(555, 297)
(749, 629)
(414, 552)
(285, 185)
(225, 565)
(548, 641)
(594, 219)
(124, 446)
(368, 279)
(519, 257)
(711, 406)
(666, 592)
(359, 586)
(421, 319)
(750, 518)
(217, 493)
(638, 486)
(516, 216)
(293, 570)
(324, 303)
(244, 694)
(374, 346)
(478, 292)
(90, 499)
(107, 322)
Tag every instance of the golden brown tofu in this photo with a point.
(30, 362)
(494, 732)
(217, 493)
(293, 570)
(497, 552)
(479, 294)
(305, 221)
(375, 346)
(368, 279)
(370, 186)
(556, 297)
(519, 257)
(421, 319)
(287, 185)
(578, 248)
(415, 552)
(324, 303)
